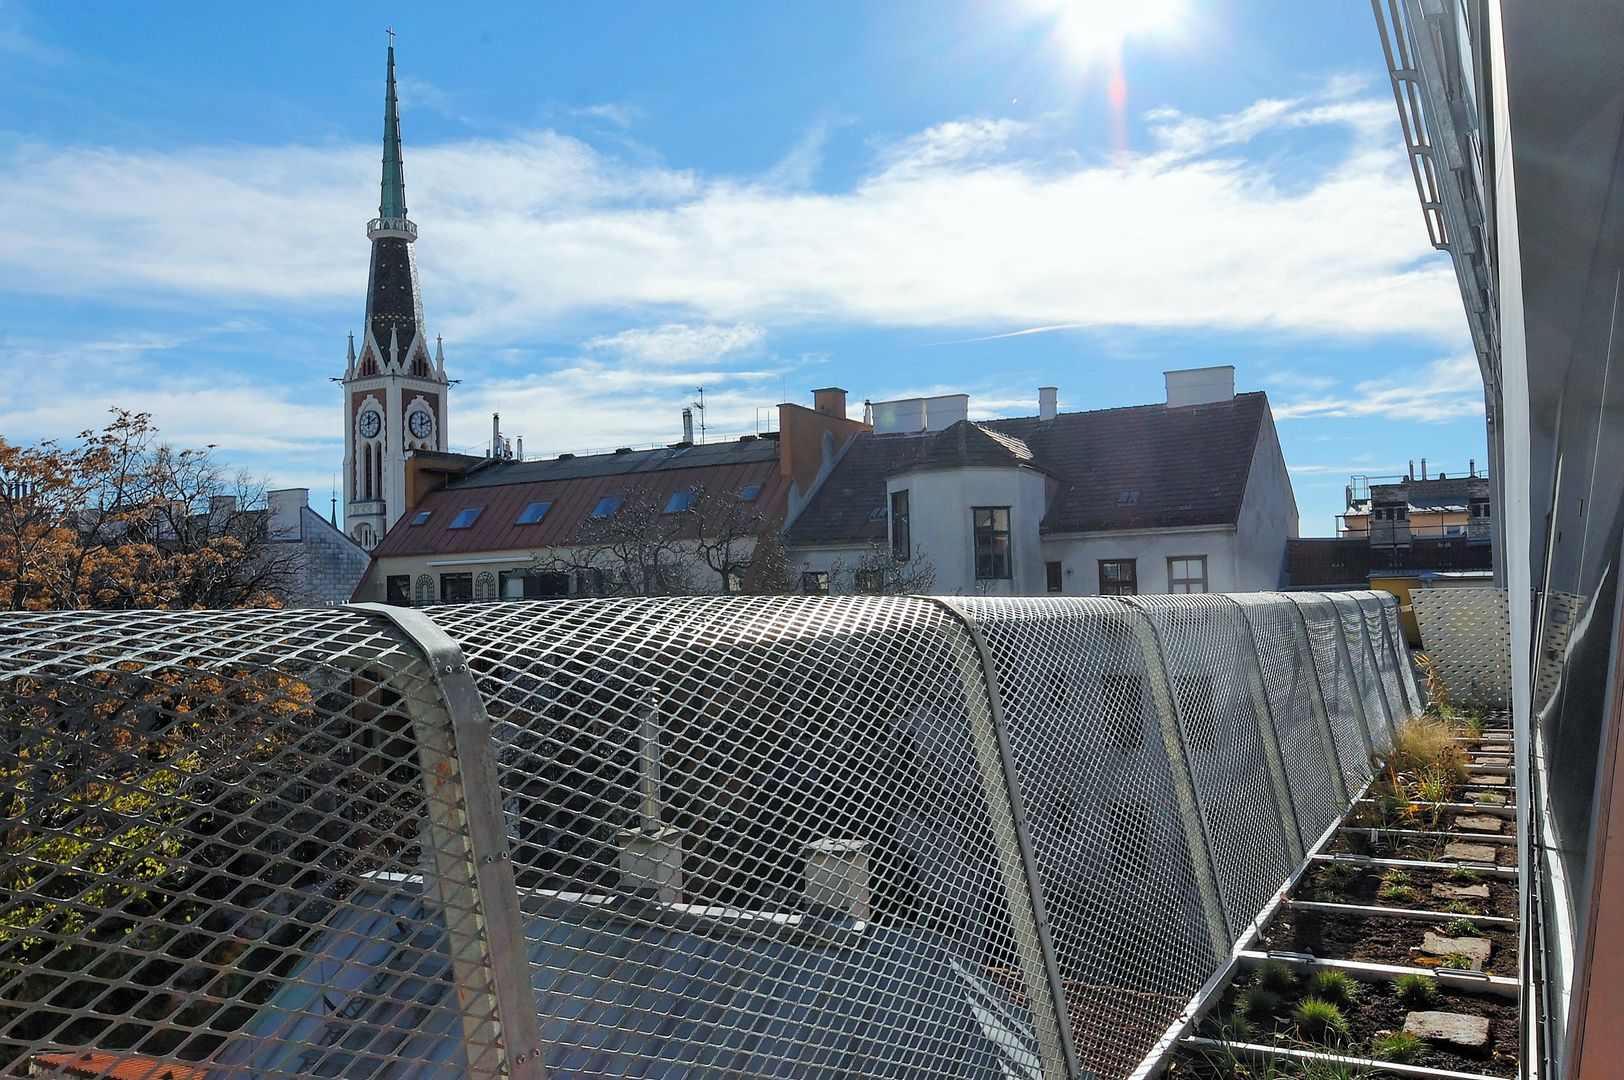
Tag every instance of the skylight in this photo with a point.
(607, 506)
(1128, 497)
(678, 502)
(533, 513)
(877, 513)
(422, 517)
(749, 492)
(466, 517)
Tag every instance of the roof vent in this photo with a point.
(623, 449)
(747, 438)
(566, 457)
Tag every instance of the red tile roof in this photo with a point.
(574, 486)
(97, 1064)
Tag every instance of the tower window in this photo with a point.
(466, 517)
(421, 517)
(533, 513)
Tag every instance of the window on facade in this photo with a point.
(749, 492)
(815, 582)
(534, 584)
(589, 582)
(456, 588)
(678, 502)
(1119, 577)
(423, 590)
(533, 513)
(991, 528)
(1480, 509)
(1122, 699)
(466, 517)
(1130, 833)
(869, 580)
(1053, 576)
(901, 534)
(421, 517)
(485, 586)
(607, 506)
(1187, 574)
(398, 590)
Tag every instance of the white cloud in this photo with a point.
(1448, 389)
(974, 223)
(679, 343)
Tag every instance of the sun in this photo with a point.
(1090, 31)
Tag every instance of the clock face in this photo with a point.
(370, 424)
(420, 423)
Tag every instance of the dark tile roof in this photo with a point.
(1314, 562)
(1142, 467)
(573, 486)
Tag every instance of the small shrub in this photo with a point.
(1462, 928)
(1395, 887)
(1395, 1046)
(1277, 978)
(1415, 990)
(1460, 907)
(1471, 723)
(1432, 786)
(1233, 1026)
(1320, 1021)
(1337, 987)
(1428, 743)
(1463, 875)
(1458, 961)
(1258, 1004)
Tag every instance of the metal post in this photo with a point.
(1252, 668)
(1192, 815)
(473, 870)
(1023, 888)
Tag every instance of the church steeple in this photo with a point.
(395, 393)
(392, 199)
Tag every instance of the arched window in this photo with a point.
(425, 591)
(485, 586)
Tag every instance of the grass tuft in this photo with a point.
(1398, 1046)
(1426, 744)
(1277, 978)
(1337, 987)
(1462, 875)
(1462, 928)
(1416, 990)
(1258, 1004)
(1320, 1021)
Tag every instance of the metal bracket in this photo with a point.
(468, 843)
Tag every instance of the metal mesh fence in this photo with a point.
(1467, 633)
(742, 836)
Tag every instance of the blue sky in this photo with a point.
(619, 203)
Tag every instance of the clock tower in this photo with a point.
(394, 389)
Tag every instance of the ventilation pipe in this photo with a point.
(1048, 402)
(651, 854)
(1423, 468)
(496, 435)
(1411, 474)
(687, 425)
(1472, 468)
(519, 453)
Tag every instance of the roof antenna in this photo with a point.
(699, 406)
(332, 513)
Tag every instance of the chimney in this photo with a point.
(1472, 468)
(496, 435)
(831, 401)
(1200, 386)
(1423, 468)
(1411, 474)
(285, 505)
(520, 452)
(687, 425)
(1048, 402)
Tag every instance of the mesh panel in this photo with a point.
(209, 811)
(738, 836)
(1300, 722)
(1132, 936)
(755, 835)
(1344, 702)
(1412, 691)
(1367, 675)
(1467, 632)
(1387, 651)
(1206, 650)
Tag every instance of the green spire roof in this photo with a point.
(392, 202)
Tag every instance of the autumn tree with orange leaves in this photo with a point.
(121, 520)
